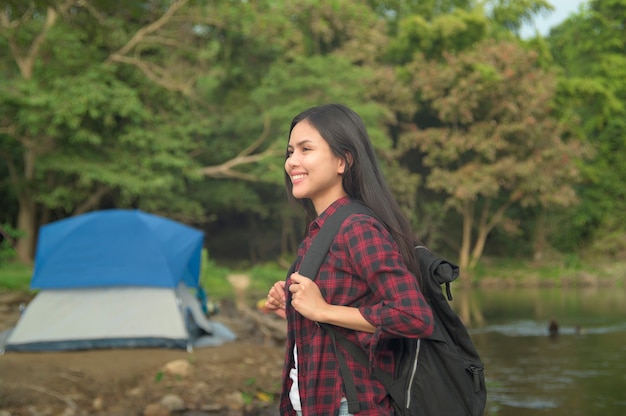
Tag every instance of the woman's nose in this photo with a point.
(292, 161)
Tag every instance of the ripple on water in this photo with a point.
(527, 402)
(528, 328)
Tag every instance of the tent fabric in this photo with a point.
(117, 248)
(121, 317)
(89, 318)
(115, 279)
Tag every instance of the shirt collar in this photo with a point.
(332, 208)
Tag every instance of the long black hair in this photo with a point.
(363, 181)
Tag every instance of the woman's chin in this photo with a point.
(299, 195)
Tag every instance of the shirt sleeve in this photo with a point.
(398, 307)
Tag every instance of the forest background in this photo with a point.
(506, 153)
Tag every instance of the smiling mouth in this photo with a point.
(297, 177)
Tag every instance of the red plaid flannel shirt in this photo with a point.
(363, 269)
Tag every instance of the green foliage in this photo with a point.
(94, 132)
(8, 235)
(213, 278)
(397, 10)
(100, 107)
(609, 241)
(447, 33)
(263, 276)
(512, 14)
(590, 48)
(484, 131)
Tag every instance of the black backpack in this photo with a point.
(439, 375)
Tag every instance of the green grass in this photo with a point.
(264, 276)
(214, 278)
(569, 270)
(15, 276)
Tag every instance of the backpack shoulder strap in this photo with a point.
(315, 255)
(313, 259)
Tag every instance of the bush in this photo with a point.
(8, 235)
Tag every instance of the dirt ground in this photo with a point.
(238, 378)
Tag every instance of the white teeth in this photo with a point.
(295, 177)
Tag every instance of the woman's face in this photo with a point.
(314, 170)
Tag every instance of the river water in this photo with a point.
(580, 372)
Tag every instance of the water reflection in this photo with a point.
(525, 328)
(582, 371)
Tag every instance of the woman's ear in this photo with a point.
(346, 161)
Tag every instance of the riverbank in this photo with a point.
(567, 272)
(237, 378)
(510, 274)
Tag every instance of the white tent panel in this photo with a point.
(80, 314)
(113, 317)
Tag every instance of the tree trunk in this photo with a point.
(479, 246)
(464, 310)
(478, 319)
(466, 245)
(27, 215)
(25, 246)
(468, 308)
(539, 244)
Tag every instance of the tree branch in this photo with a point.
(160, 40)
(92, 10)
(155, 74)
(262, 137)
(497, 216)
(92, 201)
(144, 31)
(26, 62)
(225, 170)
(244, 157)
(6, 23)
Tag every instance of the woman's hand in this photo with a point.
(276, 299)
(306, 297)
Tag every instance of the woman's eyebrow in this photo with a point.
(301, 142)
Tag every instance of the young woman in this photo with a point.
(366, 287)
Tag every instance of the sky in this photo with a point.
(562, 10)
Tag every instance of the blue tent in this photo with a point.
(117, 248)
(115, 279)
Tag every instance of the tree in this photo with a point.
(456, 31)
(488, 137)
(590, 48)
(395, 11)
(103, 104)
(513, 14)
